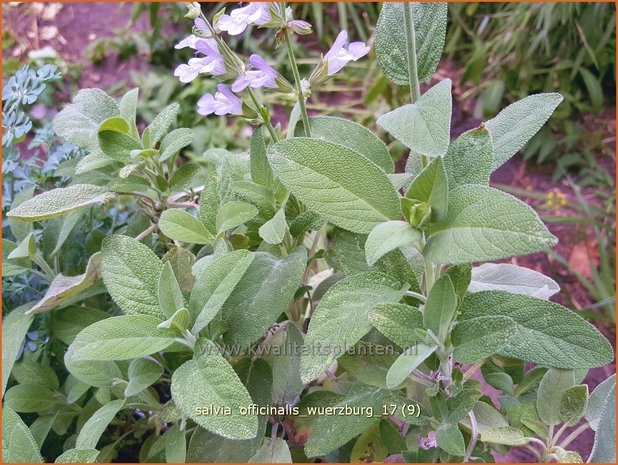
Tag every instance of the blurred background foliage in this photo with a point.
(496, 53)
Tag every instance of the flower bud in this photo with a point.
(194, 10)
(416, 212)
(300, 27)
(319, 74)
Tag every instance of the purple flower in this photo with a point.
(222, 103)
(300, 27)
(238, 20)
(342, 52)
(210, 63)
(263, 75)
(429, 442)
(188, 41)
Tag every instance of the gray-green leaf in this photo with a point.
(182, 226)
(60, 201)
(131, 274)
(267, 288)
(18, 444)
(214, 284)
(352, 135)
(450, 439)
(94, 428)
(174, 142)
(388, 236)
(430, 31)
(273, 450)
(397, 322)
(407, 362)
(431, 186)
(143, 372)
(573, 404)
(14, 329)
(440, 307)
(423, 126)
(342, 318)
(78, 456)
(482, 337)
(469, 158)
(273, 231)
(234, 213)
(484, 223)
(121, 338)
(505, 435)
(517, 123)
(209, 380)
(170, 295)
(336, 182)
(547, 333)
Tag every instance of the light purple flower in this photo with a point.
(342, 52)
(210, 63)
(429, 442)
(300, 27)
(188, 41)
(200, 25)
(263, 75)
(238, 20)
(222, 103)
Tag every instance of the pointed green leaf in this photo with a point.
(597, 401)
(423, 126)
(121, 338)
(214, 284)
(115, 140)
(79, 121)
(604, 448)
(430, 32)
(484, 223)
(12, 267)
(388, 236)
(469, 158)
(170, 295)
(352, 135)
(18, 444)
(143, 372)
(505, 435)
(482, 337)
(234, 213)
(174, 142)
(30, 398)
(59, 202)
(517, 123)
(25, 249)
(345, 306)
(131, 274)
(66, 323)
(573, 404)
(285, 362)
(182, 226)
(397, 322)
(547, 333)
(450, 439)
(14, 329)
(440, 307)
(209, 380)
(337, 183)
(431, 186)
(273, 231)
(261, 172)
(94, 428)
(407, 362)
(175, 445)
(267, 288)
(553, 386)
(162, 122)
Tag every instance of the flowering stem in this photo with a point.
(267, 122)
(408, 20)
(299, 90)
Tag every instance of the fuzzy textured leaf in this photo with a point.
(423, 126)
(131, 274)
(342, 318)
(208, 380)
(397, 322)
(430, 32)
(60, 201)
(14, 329)
(547, 333)
(512, 278)
(517, 123)
(484, 223)
(388, 236)
(338, 183)
(182, 226)
(18, 444)
(482, 337)
(469, 158)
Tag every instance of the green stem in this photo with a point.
(408, 21)
(299, 90)
(267, 121)
(416, 295)
(39, 260)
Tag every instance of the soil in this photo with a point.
(69, 28)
